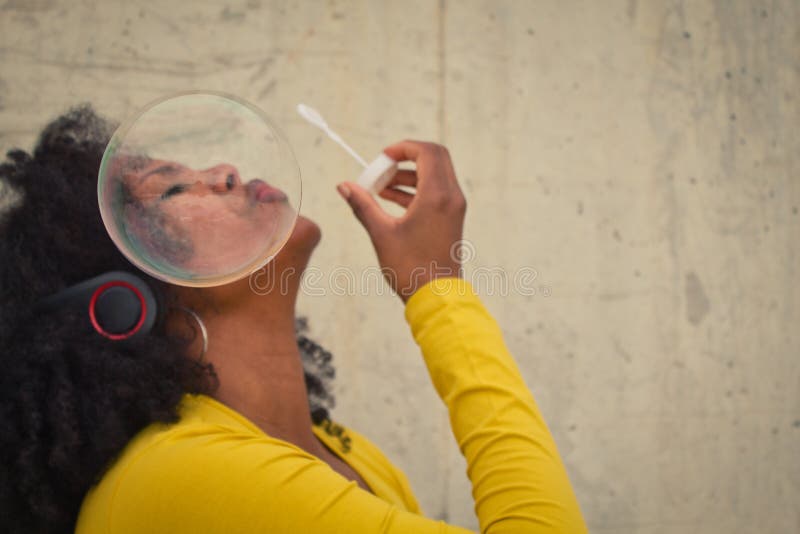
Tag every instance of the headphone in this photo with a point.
(119, 305)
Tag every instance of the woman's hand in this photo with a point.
(421, 245)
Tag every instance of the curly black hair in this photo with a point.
(70, 399)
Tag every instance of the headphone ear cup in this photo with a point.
(119, 305)
(118, 310)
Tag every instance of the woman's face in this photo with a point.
(208, 221)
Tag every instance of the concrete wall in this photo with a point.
(641, 158)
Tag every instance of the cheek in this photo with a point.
(227, 232)
(219, 240)
(273, 222)
(228, 239)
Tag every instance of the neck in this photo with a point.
(253, 347)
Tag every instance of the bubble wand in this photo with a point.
(375, 175)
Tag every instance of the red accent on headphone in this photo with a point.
(93, 317)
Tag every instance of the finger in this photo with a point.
(397, 196)
(404, 177)
(434, 167)
(404, 150)
(364, 206)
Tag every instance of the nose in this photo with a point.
(223, 178)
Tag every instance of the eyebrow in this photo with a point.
(163, 169)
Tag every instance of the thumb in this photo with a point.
(364, 206)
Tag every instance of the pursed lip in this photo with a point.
(261, 191)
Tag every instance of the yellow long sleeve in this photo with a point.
(519, 483)
(216, 472)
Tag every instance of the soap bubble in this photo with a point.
(199, 189)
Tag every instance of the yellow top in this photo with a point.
(216, 472)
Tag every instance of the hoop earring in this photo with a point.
(202, 326)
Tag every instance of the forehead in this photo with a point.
(132, 164)
(152, 166)
(142, 170)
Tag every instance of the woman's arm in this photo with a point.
(518, 481)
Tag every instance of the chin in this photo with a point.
(306, 234)
(302, 242)
(294, 255)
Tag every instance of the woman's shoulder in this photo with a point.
(209, 446)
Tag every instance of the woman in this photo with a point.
(161, 435)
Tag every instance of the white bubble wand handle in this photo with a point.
(376, 175)
(313, 116)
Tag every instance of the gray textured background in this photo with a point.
(641, 157)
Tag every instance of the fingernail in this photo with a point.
(344, 191)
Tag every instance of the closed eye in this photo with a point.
(174, 190)
(164, 170)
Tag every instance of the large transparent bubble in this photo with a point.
(199, 189)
